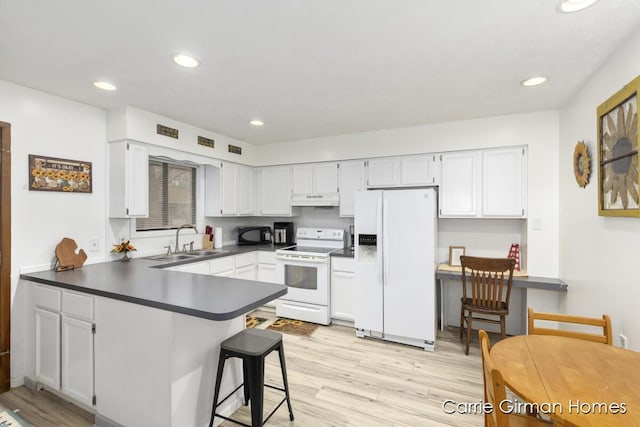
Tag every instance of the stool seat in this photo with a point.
(252, 346)
(252, 342)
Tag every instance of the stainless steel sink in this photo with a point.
(202, 252)
(174, 257)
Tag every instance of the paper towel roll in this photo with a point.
(217, 237)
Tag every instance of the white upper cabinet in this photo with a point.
(459, 184)
(302, 179)
(128, 180)
(246, 184)
(489, 183)
(383, 172)
(274, 190)
(228, 190)
(419, 170)
(325, 178)
(351, 179)
(406, 171)
(504, 182)
(319, 178)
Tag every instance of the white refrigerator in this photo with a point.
(395, 244)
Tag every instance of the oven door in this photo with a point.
(307, 279)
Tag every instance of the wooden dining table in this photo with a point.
(578, 382)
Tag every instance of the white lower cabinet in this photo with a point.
(48, 348)
(64, 339)
(196, 267)
(77, 359)
(248, 272)
(342, 284)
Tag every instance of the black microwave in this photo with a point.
(254, 235)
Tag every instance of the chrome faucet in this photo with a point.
(178, 234)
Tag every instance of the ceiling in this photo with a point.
(311, 68)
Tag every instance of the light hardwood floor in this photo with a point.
(336, 379)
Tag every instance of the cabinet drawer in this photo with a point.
(343, 264)
(46, 297)
(265, 257)
(244, 260)
(77, 305)
(222, 264)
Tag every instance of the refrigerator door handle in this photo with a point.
(380, 254)
(385, 239)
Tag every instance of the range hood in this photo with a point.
(315, 199)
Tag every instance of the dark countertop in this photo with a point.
(140, 281)
(530, 282)
(344, 253)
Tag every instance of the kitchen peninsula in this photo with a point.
(153, 338)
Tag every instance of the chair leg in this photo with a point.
(469, 322)
(245, 376)
(283, 368)
(461, 321)
(256, 389)
(221, 359)
(502, 326)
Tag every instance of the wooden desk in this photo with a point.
(575, 376)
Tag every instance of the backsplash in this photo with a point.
(325, 217)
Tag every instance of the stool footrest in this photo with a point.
(228, 396)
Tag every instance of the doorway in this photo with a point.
(5, 256)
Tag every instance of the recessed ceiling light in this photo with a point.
(105, 86)
(568, 6)
(256, 122)
(533, 81)
(186, 60)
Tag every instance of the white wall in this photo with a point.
(537, 130)
(56, 127)
(598, 255)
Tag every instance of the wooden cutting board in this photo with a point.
(68, 259)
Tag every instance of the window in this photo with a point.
(172, 196)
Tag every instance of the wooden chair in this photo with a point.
(604, 323)
(495, 392)
(486, 276)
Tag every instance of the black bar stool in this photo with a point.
(252, 346)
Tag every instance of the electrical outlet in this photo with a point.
(624, 342)
(94, 245)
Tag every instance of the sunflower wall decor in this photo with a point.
(581, 164)
(618, 182)
(52, 174)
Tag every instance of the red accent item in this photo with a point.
(514, 252)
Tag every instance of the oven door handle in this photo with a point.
(298, 259)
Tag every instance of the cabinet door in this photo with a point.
(383, 172)
(229, 191)
(228, 273)
(459, 189)
(325, 178)
(302, 179)
(245, 191)
(48, 348)
(77, 359)
(267, 273)
(418, 170)
(248, 273)
(196, 267)
(137, 181)
(275, 191)
(342, 295)
(504, 188)
(351, 179)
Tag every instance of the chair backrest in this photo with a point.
(494, 389)
(487, 280)
(604, 323)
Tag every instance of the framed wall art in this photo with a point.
(51, 174)
(618, 180)
(454, 255)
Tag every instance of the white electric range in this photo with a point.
(305, 270)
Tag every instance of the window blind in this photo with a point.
(172, 196)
